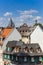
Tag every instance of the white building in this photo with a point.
(37, 36)
(1, 57)
(14, 35)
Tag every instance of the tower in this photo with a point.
(11, 24)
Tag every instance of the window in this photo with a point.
(12, 57)
(40, 58)
(25, 59)
(16, 49)
(32, 59)
(20, 31)
(4, 56)
(25, 49)
(8, 64)
(26, 30)
(7, 49)
(8, 56)
(16, 58)
(38, 50)
(31, 50)
(23, 30)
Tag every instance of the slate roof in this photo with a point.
(14, 43)
(21, 45)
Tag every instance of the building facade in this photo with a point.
(37, 36)
(17, 53)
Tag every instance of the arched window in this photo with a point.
(26, 49)
(16, 49)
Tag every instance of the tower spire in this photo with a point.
(11, 23)
(36, 21)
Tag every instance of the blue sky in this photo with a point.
(21, 11)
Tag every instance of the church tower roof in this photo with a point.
(11, 24)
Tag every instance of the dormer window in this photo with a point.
(23, 30)
(20, 31)
(25, 49)
(16, 49)
(31, 50)
(26, 30)
(38, 50)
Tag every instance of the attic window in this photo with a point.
(20, 31)
(31, 50)
(38, 50)
(16, 49)
(26, 30)
(23, 30)
(25, 49)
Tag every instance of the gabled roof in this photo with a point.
(6, 32)
(14, 35)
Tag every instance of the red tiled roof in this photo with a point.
(5, 33)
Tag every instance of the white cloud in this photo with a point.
(8, 14)
(1, 20)
(37, 18)
(25, 16)
(25, 12)
(22, 19)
